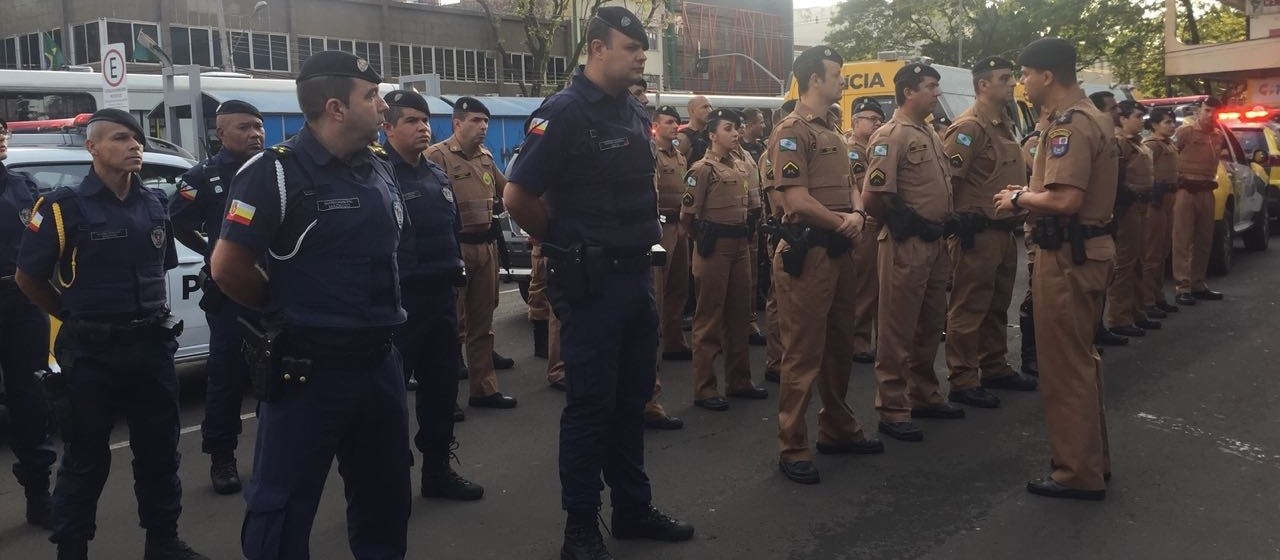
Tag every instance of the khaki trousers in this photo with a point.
(912, 313)
(1156, 244)
(1124, 296)
(978, 315)
(476, 302)
(671, 288)
(866, 287)
(722, 318)
(1192, 238)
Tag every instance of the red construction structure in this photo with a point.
(756, 28)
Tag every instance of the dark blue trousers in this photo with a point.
(228, 377)
(608, 346)
(358, 416)
(134, 377)
(428, 343)
(24, 349)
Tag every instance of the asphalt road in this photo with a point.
(1194, 434)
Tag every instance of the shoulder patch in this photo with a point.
(853, 155)
(877, 178)
(880, 150)
(790, 171)
(859, 168)
(186, 191)
(538, 126)
(687, 199)
(957, 161)
(964, 139)
(1059, 142)
(787, 144)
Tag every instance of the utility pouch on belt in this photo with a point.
(263, 352)
(567, 268)
(797, 238)
(967, 226)
(1124, 200)
(1076, 235)
(705, 239)
(1157, 194)
(1047, 233)
(211, 298)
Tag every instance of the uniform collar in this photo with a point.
(809, 116)
(1072, 99)
(92, 185)
(394, 156)
(308, 144)
(901, 117)
(224, 157)
(592, 92)
(990, 113)
(456, 148)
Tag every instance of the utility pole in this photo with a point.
(227, 64)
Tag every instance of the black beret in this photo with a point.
(815, 55)
(625, 22)
(867, 104)
(407, 99)
(119, 117)
(992, 63)
(916, 69)
(726, 115)
(237, 107)
(669, 111)
(338, 63)
(1048, 52)
(470, 105)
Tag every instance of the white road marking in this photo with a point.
(184, 431)
(509, 291)
(1229, 445)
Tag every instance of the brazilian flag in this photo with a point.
(53, 58)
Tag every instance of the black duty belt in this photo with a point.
(725, 230)
(122, 328)
(1196, 185)
(340, 349)
(1141, 194)
(477, 238)
(669, 217)
(1003, 225)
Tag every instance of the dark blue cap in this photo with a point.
(470, 105)
(1048, 52)
(338, 63)
(119, 117)
(237, 107)
(407, 99)
(916, 69)
(625, 22)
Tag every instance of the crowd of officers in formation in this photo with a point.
(337, 270)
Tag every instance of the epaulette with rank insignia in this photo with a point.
(1065, 118)
(282, 150)
(378, 150)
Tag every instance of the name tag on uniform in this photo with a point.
(668, 170)
(615, 143)
(462, 176)
(337, 204)
(106, 235)
(412, 195)
(827, 150)
(916, 146)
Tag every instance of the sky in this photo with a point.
(797, 4)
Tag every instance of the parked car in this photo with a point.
(1261, 143)
(1240, 208)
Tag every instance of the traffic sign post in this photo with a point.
(115, 90)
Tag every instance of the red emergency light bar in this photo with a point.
(51, 125)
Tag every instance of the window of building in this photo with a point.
(201, 46)
(446, 67)
(191, 45)
(179, 44)
(9, 53)
(87, 43)
(127, 33)
(259, 51)
(370, 51)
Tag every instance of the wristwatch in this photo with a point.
(1014, 200)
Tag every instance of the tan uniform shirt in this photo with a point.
(858, 163)
(1079, 151)
(1138, 171)
(1164, 159)
(1198, 151)
(749, 170)
(476, 182)
(716, 191)
(907, 159)
(768, 192)
(984, 157)
(808, 152)
(669, 179)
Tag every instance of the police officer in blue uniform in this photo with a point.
(584, 186)
(310, 239)
(430, 273)
(95, 256)
(198, 207)
(24, 347)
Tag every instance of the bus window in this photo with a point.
(24, 106)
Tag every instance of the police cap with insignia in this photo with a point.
(812, 57)
(623, 21)
(992, 63)
(469, 105)
(119, 117)
(867, 104)
(237, 107)
(338, 63)
(1048, 53)
(915, 69)
(669, 111)
(408, 100)
(725, 115)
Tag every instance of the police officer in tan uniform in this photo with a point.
(1198, 144)
(813, 271)
(868, 116)
(476, 184)
(1158, 240)
(672, 284)
(909, 189)
(1125, 313)
(748, 165)
(715, 210)
(985, 157)
(772, 210)
(1070, 200)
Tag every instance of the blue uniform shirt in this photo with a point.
(17, 196)
(107, 256)
(201, 200)
(428, 240)
(589, 155)
(331, 260)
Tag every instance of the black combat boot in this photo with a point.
(169, 547)
(1027, 323)
(224, 473)
(540, 339)
(582, 540)
(35, 485)
(78, 550)
(439, 480)
(649, 523)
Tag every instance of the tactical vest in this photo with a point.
(428, 245)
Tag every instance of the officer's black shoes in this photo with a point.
(496, 400)
(582, 540)
(717, 404)
(1154, 312)
(756, 393)
(976, 397)
(169, 547)
(1166, 307)
(802, 472)
(450, 486)
(458, 414)
(678, 356)
(649, 523)
(1111, 337)
(772, 376)
(1185, 299)
(224, 475)
(502, 362)
(1207, 295)
(664, 422)
(865, 357)
(902, 431)
(73, 551)
(864, 446)
(1131, 331)
(944, 412)
(1012, 382)
(1030, 366)
(1148, 325)
(756, 339)
(1050, 488)
(411, 384)
(540, 339)
(40, 510)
